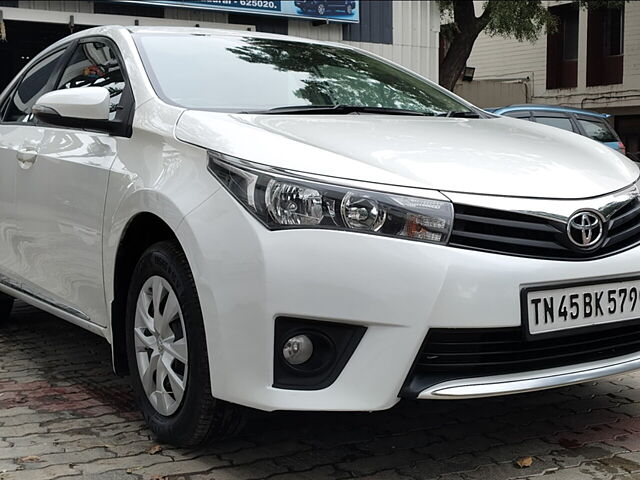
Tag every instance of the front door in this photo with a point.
(60, 197)
(20, 140)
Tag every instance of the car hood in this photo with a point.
(496, 156)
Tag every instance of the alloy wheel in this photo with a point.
(161, 345)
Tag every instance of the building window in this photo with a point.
(570, 37)
(267, 24)
(605, 46)
(562, 48)
(376, 23)
(613, 31)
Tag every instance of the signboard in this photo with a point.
(329, 10)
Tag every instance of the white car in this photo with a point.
(265, 221)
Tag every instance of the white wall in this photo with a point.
(496, 57)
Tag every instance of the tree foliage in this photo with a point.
(524, 20)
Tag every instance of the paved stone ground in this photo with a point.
(63, 414)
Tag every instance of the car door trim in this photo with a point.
(70, 314)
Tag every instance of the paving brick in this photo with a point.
(516, 433)
(307, 459)
(253, 471)
(47, 473)
(435, 468)
(372, 464)
(472, 443)
(621, 463)
(183, 467)
(631, 409)
(504, 471)
(586, 471)
(273, 450)
(629, 441)
(574, 457)
(385, 475)
(19, 430)
(509, 452)
(580, 421)
(38, 449)
(409, 440)
(60, 402)
(78, 457)
(319, 473)
(133, 463)
(593, 434)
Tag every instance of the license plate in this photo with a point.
(554, 309)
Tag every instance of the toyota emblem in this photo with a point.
(585, 229)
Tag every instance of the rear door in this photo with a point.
(60, 198)
(20, 140)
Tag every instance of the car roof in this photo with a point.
(214, 32)
(548, 108)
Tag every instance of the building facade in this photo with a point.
(592, 61)
(403, 31)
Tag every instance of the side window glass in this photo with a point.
(94, 64)
(599, 131)
(33, 85)
(559, 122)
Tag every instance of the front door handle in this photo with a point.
(26, 156)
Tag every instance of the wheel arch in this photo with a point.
(143, 230)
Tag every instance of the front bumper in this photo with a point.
(398, 289)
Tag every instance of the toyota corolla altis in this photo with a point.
(263, 221)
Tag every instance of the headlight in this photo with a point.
(288, 202)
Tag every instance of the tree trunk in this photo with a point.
(456, 59)
(467, 28)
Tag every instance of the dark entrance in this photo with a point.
(24, 41)
(628, 127)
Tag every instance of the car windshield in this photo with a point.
(232, 73)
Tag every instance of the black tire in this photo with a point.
(200, 418)
(6, 305)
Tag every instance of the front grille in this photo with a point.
(450, 353)
(527, 235)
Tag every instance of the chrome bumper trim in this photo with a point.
(530, 381)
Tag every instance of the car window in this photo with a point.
(33, 85)
(94, 64)
(559, 122)
(598, 130)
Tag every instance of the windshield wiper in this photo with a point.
(335, 109)
(460, 114)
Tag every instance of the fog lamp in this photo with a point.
(297, 349)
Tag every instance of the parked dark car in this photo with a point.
(583, 122)
(321, 7)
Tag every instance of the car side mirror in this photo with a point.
(85, 108)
